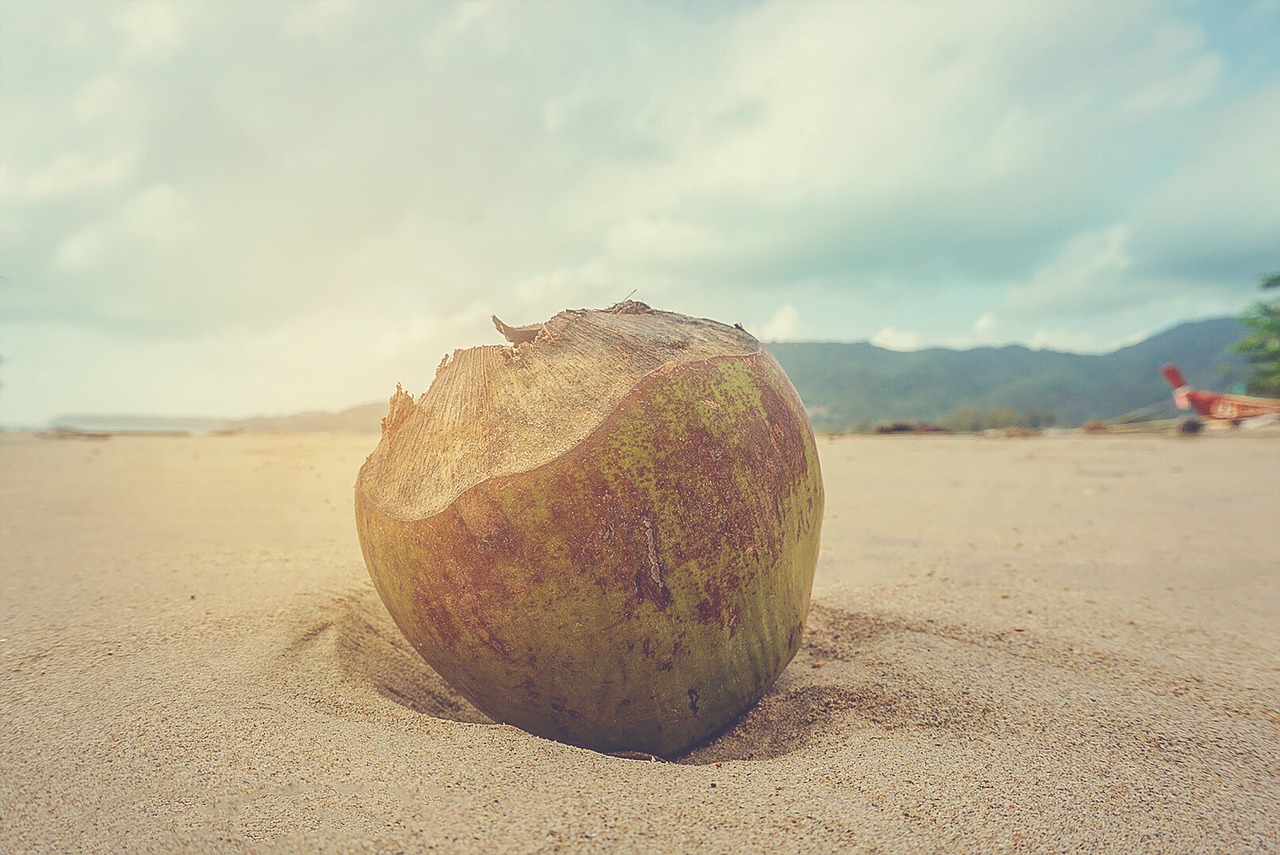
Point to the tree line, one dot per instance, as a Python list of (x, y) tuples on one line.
[(1261, 345)]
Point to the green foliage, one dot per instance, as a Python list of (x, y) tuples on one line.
[(1261, 346)]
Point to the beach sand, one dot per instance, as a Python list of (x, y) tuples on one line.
[(1035, 644)]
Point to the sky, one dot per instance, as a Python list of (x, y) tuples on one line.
[(257, 208)]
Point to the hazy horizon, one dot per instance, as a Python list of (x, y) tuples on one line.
[(121, 420)]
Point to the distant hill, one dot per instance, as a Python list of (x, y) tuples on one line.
[(846, 385), (366, 418), (850, 385), (135, 424)]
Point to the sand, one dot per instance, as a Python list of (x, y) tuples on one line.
[(1037, 644)]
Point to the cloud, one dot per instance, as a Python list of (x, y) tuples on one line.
[(152, 221), (480, 18), (934, 128), (1205, 233), (100, 98), (984, 325), (896, 339), (783, 325), (1087, 274), (1218, 212), (318, 19), (174, 174), (1063, 339), (67, 173), (152, 30)]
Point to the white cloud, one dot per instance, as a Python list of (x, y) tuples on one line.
[(66, 174), (565, 285), (893, 338), (319, 19), (1086, 274), (482, 18), (1192, 72), (1194, 83), (1224, 199), (1126, 341), (101, 97), (152, 29), (864, 134), (783, 325), (156, 218), (1071, 340), (660, 241)]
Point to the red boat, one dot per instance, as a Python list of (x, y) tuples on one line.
[(1212, 405)]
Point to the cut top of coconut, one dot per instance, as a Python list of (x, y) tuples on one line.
[(500, 410)]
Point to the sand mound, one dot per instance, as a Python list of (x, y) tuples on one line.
[(353, 632)]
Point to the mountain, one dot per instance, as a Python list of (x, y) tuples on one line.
[(366, 418), (851, 385), (846, 385)]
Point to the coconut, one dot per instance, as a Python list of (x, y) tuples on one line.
[(605, 532)]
